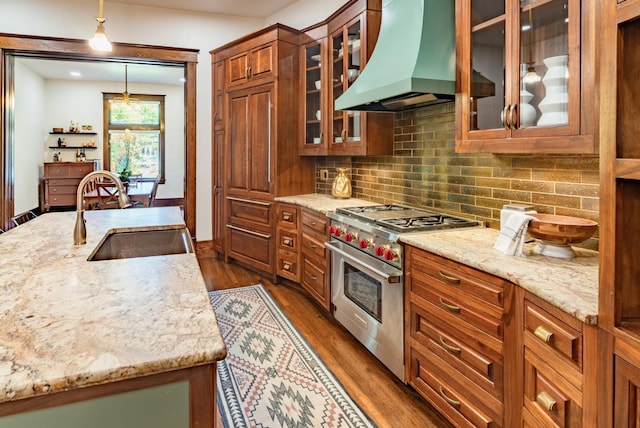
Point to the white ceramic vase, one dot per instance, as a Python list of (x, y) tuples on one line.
[(528, 112), (554, 105)]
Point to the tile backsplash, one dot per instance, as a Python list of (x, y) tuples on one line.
[(425, 171)]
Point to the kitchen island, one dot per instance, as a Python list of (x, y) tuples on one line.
[(74, 330)]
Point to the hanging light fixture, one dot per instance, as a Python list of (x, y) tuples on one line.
[(125, 98), (99, 41), (531, 76)]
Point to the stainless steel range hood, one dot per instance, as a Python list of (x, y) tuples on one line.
[(413, 62)]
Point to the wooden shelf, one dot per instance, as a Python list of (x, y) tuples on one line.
[(73, 147), (73, 133), (627, 168)]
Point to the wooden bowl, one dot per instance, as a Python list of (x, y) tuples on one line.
[(561, 229)]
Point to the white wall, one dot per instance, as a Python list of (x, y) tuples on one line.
[(164, 27), (29, 120), (81, 102)]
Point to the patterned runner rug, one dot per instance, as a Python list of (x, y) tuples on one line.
[(271, 376)]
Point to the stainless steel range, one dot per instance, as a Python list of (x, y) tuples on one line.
[(367, 276)]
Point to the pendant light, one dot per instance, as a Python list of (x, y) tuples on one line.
[(531, 76), (126, 98), (99, 41)]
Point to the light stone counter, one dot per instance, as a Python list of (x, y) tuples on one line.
[(68, 323), (571, 285), (324, 203)]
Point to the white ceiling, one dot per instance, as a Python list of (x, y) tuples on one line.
[(248, 8)]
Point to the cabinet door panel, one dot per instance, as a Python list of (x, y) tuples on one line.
[(239, 142), (261, 61), (261, 138), (627, 395), (237, 69)]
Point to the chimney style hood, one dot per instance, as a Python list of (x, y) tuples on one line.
[(413, 62)]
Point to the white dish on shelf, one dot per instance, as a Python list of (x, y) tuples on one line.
[(318, 83), (316, 140), (316, 57)]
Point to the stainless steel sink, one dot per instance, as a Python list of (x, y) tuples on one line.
[(142, 243)]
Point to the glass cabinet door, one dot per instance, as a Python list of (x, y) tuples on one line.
[(313, 104), (347, 63)]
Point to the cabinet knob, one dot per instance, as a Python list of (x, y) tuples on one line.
[(505, 118), (546, 401), (513, 118), (543, 334), (286, 267), (286, 217)]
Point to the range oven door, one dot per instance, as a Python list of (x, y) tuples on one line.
[(367, 299)]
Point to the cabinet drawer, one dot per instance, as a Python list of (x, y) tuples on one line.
[(313, 276), (62, 190), (313, 247), (460, 280), (56, 170), (61, 200), (463, 407), (555, 334), (457, 308), (287, 265), (246, 211), (80, 169), (479, 363), (315, 224), (548, 396), (287, 216), (64, 182), (251, 247), (287, 240)]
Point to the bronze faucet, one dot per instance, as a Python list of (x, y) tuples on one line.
[(80, 230)]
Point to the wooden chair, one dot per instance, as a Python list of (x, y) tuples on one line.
[(23, 218), (101, 195), (154, 190)]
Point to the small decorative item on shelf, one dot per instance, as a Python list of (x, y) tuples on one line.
[(527, 111), (59, 142), (554, 104), (341, 188), (58, 130)]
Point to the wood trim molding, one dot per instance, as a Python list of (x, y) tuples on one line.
[(74, 49)]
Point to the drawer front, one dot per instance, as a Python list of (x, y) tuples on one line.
[(245, 211), (457, 279), (64, 182), (56, 170), (456, 308), (311, 246), (462, 407), (314, 278), (287, 216), (555, 334), (287, 240), (287, 265), (81, 169), (315, 224), (62, 190), (481, 364), (61, 200), (548, 397), (251, 247)]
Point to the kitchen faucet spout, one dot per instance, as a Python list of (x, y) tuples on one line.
[(80, 230)]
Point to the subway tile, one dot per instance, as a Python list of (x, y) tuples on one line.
[(589, 190), (555, 200), (562, 175)]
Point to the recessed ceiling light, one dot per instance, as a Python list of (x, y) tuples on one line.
[(75, 74)]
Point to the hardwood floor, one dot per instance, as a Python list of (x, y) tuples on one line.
[(377, 391)]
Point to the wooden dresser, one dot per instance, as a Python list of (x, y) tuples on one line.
[(60, 183)]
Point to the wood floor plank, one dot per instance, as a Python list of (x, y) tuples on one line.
[(387, 401)]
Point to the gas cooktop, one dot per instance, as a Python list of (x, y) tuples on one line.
[(401, 218)]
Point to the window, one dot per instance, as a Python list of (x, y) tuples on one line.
[(134, 133)]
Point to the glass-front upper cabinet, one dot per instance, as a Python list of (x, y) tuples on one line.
[(314, 138), (347, 62), (523, 72)]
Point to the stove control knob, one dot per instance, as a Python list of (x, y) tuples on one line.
[(364, 243), (350, 236), (379, 250), (390, 254), (332, 228), (335, 231)]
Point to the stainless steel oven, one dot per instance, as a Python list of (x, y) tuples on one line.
[(367, 300), (366, 272)]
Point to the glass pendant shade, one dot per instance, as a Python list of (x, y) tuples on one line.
[(99, 41)]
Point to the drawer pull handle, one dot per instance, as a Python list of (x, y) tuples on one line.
[(286, 267), (450, 279), (546, 401), (452, 308), (312, 245), (313, 223), (288, 242), (286, 217), (452, 349), (454, 403), (543, 334), (312, 277)]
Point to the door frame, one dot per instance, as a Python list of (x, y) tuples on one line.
[(54, 48)]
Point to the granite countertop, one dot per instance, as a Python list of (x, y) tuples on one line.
[(571, 285), (68, 323), (324, 203)]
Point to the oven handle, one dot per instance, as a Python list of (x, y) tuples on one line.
[(394, 278)]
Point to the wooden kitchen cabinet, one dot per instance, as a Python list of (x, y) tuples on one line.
[(497, 44), (332, 54), (315, 272), (61, 181), (217, 166), (258, 140), (288, 238), (456, 327), (619, 299)]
